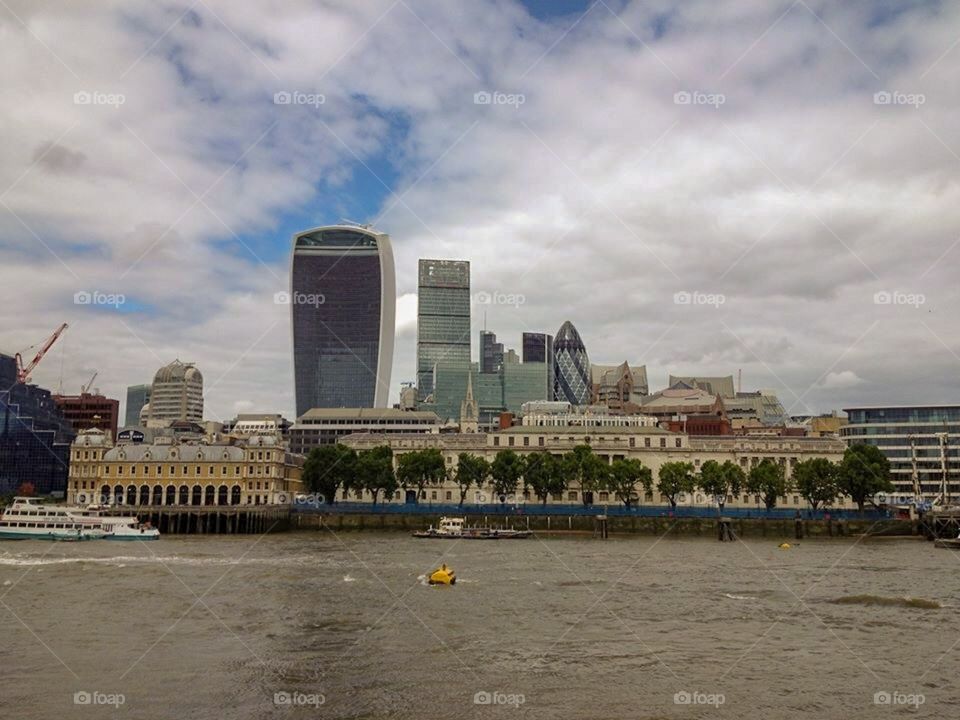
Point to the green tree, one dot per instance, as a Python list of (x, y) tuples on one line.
[(543, 473), (767, 480), (674, 479), (375, 472), (624, 476), (419, 468), (586, 468), (328, 468), (721, 480), (471, 470), (864, 472), (817, 480), (506, 471)]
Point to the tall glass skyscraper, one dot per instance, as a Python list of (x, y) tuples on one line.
[(538, 348), (343, 309), (491, 352), (571, 367), (443, 318)]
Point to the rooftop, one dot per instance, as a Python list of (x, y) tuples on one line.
[(367, 414)]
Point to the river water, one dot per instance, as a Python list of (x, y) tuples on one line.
[(343, 626)]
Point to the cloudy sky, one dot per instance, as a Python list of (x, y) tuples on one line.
[(698, 186)]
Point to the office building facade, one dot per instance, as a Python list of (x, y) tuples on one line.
[(35, 437), (343, 313), (176, 395), (571, 367), (324, 426), (137, 397), (443, 318), (920, 438), (90, 410), (491, 352)]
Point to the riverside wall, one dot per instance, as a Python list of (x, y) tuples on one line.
[(588, 525)]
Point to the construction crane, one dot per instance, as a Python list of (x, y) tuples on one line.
[(23, 371), (86, 388)]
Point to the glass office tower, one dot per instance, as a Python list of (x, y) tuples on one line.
[(571, 369), (538, 348), (443, 318), (924, 439), (343, 309)]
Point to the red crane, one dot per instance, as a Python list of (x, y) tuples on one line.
[(23, 371)]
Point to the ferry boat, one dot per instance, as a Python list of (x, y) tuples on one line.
[(453, 527), (28, 519)]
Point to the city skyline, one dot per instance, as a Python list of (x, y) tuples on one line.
[(693, 215)]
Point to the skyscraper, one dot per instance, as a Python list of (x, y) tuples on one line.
[(538, 348), (571, 367), (443, 318), (137, 397), (491, 352), (176, 394), (343, 309)]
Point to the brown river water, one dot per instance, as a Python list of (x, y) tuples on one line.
[(344, 626)]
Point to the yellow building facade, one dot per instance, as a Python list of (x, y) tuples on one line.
[(254, 471)]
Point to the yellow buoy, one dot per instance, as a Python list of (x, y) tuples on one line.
[(443, 576), (784, 546)]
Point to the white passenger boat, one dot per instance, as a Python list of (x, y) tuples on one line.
[(27, 519)]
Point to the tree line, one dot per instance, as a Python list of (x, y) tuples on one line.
[(862, 473)]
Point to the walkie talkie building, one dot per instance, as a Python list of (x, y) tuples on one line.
[(343, 310)]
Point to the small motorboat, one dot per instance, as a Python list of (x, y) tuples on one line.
[(443, 576)]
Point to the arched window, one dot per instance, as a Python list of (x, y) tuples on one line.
[(158, 495), (171, 495), (184, 495), (131, 494), (197, 495), (118, 494), (235, 495), (144, 495), (222, 495), (209, 494)]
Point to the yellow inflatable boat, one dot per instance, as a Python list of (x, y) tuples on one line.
[(443, 576)]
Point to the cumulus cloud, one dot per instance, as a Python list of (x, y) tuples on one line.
[(145, 155)]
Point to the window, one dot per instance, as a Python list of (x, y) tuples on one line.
[(526, 441), (572, 495), (678, 442), (633, 442), (557, 496), (540, 441), (663, 442), (510, 441), (496, 441), (646, 442), (796, 500), (449, 495), (433, 494), (604, 496)]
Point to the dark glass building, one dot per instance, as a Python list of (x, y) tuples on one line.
[(34, 435), (137, 397), (571, 367), (443, 318), (343, 308), (538, 348), (491, 352)]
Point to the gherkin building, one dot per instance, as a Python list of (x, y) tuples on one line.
[(571, 367)]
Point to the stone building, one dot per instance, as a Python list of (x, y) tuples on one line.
[(653, 446), (258, 470)]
